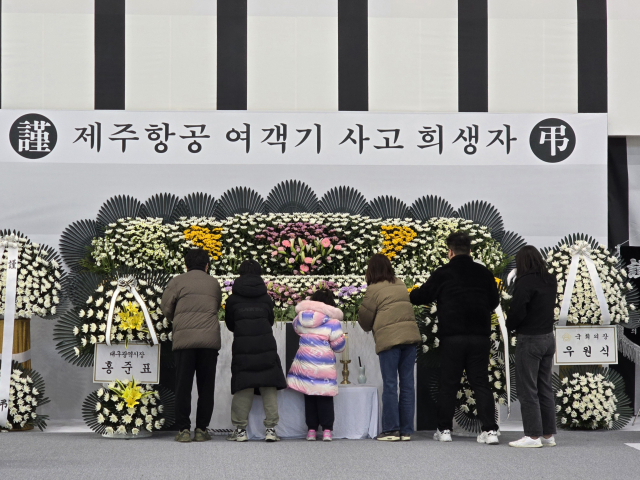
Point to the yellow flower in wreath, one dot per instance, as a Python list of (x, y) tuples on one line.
[(130, 393), (394, 239), (208, 240), (131, 318)]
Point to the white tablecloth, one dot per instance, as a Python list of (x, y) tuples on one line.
[(356, 409)]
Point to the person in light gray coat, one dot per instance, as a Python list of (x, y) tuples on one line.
[(191, 302)]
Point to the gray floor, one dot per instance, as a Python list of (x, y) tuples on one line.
[(583, 455)]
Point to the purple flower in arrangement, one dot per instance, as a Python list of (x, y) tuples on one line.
[(345, 293), (282, 294)]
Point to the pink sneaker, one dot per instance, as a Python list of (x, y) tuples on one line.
[(311, 436), (326, 436)]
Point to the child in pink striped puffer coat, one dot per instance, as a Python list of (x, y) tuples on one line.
[(313, 371)]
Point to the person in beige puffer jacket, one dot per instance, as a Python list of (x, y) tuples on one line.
[(191, 302), (387, 311)]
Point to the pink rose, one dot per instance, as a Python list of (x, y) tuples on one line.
[(286, 243), (291, 260), (274, 253), (338, 247), (328, 259), (326, 243), (308, 260), (281, 249), (304, 268)]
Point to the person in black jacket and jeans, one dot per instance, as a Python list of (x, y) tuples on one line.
[(531, 315), (255, 364), (466, 294)]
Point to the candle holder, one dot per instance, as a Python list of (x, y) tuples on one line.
[(345, 372)]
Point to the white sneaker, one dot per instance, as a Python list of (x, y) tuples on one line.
[(444, 436), (526, 442), (548, 442), (489, 438)]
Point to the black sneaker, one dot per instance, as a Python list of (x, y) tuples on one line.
[(405, 437), (393, 436)]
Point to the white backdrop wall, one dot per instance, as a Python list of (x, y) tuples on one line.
[(48, 62), (47, 56), (540, 201)]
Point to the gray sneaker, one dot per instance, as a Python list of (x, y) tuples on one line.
[(270, 435), (489, 438), (201, 436), (442, 436), (548, 442), (238, 435), (184, 436)]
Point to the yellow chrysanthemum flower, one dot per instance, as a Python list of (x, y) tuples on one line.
[(395, 238), (208, 240)]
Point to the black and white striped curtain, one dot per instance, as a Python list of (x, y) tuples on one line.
[(330, 55)]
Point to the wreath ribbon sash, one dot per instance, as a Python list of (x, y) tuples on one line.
[(11, 245), (507, 367), (129, 284), (583, 250)]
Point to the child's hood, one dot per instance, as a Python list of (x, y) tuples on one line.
[(320, 313)]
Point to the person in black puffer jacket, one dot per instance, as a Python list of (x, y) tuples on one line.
[(466, 294), (255, 364)]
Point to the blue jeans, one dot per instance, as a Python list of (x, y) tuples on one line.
[(397, 362)]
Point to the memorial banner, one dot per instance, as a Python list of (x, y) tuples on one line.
[(526, 165), (362, 138)]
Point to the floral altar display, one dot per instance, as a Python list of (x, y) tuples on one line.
[(26, 395), (584, 307), (39, 281), (31, 281), (85, 325), (593, 289), (591, 397), (303, 243), (130, 410)]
